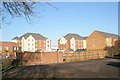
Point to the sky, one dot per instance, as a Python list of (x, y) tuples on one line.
[(68, 17)]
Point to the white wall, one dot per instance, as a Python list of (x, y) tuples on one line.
[(84, 44), (23, 44), (31, 41), (72, 44), (48, 45), (14, 41), (63, 40)]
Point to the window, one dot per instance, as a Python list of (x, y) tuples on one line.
[(28, 44), (47, 45), (32, 44), (14, 48), (107, 39), (47, 41), (6, 48), (7, 55), (94, 40), (17, 48), (72, 44), (28, 40), (28, 48), (94, 45)]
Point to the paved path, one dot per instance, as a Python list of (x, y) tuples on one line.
[(104, 68)]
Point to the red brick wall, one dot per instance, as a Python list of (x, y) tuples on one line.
[(31, 58), (62, 46), (83, 56), (41, 44), (19, 43), (95, 41)]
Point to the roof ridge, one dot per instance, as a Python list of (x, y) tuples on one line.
[(105, 32)]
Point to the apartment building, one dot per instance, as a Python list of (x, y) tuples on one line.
[(71, 42), (9, 49), (98, 40), (33, 42)]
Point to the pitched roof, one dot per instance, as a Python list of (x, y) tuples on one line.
[(108, 35), (70, 35), (35, 35), (15, 38), (84, 38), (8, 44)]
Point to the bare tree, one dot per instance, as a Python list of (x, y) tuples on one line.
[(18, 9)]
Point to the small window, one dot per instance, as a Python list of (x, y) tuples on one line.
[(28, 40), (28, 44), (14, 48), (94, 45), (28, 48), (94, 40), (6, 48), (7, 54), (17, 48), (72, 44), (47, 45), (47, 41), (32, 44)]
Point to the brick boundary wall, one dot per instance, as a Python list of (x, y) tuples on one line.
[(83, 56), (36, 58)]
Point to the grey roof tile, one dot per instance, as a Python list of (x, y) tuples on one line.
[(15, 38), (35, 35), (70, 35)]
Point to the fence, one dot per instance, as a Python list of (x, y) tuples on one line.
[(36, 58), (83, 56)]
